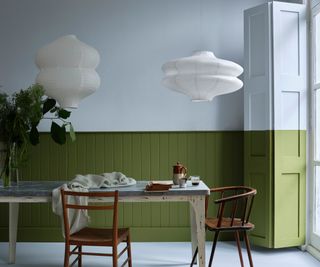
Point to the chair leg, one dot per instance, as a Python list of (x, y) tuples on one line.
[(194, 257), (66, 255), (80, 256), (236, 234), (248, 248), (213, 247), (115, 256), (129, 251)]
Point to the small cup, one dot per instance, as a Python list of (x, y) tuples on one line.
[(195, 180), (177, 177), (182, 182)]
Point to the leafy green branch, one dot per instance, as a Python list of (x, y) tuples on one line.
[(58, 131), (21, 113)]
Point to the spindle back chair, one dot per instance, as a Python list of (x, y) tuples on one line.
[(94, 236), (233, 213)]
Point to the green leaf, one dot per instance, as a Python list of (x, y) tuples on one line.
[(48, 104), (58, 133), (34, 136), (64, 114), (72, 133)]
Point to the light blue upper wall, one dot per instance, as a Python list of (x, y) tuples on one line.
[(134, 38)]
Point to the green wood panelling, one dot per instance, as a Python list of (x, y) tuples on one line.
[(275, 164), (216, 156)]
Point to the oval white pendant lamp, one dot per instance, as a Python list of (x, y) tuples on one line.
[(67, 70), (202, 76)]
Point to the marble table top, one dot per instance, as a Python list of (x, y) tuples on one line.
[(44, 189)]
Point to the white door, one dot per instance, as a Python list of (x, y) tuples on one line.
[(315, 155)]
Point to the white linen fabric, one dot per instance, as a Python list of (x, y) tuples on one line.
[(79, 219), (113, 179)]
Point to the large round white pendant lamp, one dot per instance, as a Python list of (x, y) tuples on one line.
[(202, 76), (67, 70)]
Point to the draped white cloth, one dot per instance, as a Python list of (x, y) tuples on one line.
[(79, 219)]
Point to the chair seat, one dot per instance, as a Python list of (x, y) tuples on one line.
[(97, 236), (212, 223)]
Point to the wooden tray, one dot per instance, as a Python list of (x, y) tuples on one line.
[(158, 186)]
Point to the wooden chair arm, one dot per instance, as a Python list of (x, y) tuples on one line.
[(250, 191), (228, 188), (230, 198)]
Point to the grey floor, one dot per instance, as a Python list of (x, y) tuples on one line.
[(159, 254)]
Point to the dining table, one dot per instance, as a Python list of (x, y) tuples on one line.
[(41, 192)]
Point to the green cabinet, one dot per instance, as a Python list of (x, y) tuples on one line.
[(275, 96)]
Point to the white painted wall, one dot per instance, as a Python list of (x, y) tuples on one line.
[(134, 38)]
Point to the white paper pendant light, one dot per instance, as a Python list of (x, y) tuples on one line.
[(202, 76), (67, 70)]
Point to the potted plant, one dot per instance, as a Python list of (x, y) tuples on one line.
[(20, 115)]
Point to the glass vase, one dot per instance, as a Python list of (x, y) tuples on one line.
[(10, 170), (3, 157)]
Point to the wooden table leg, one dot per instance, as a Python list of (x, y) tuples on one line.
[(193, 227), (13, 226), (197, 215)]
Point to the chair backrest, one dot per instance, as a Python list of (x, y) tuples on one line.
[(235, 203), (67, 205)]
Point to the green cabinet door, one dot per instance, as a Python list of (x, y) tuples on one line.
[(258, 173), (289, 188), (275, 164)]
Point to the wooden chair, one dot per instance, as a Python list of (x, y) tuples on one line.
[(234, 208), (94, 236)]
